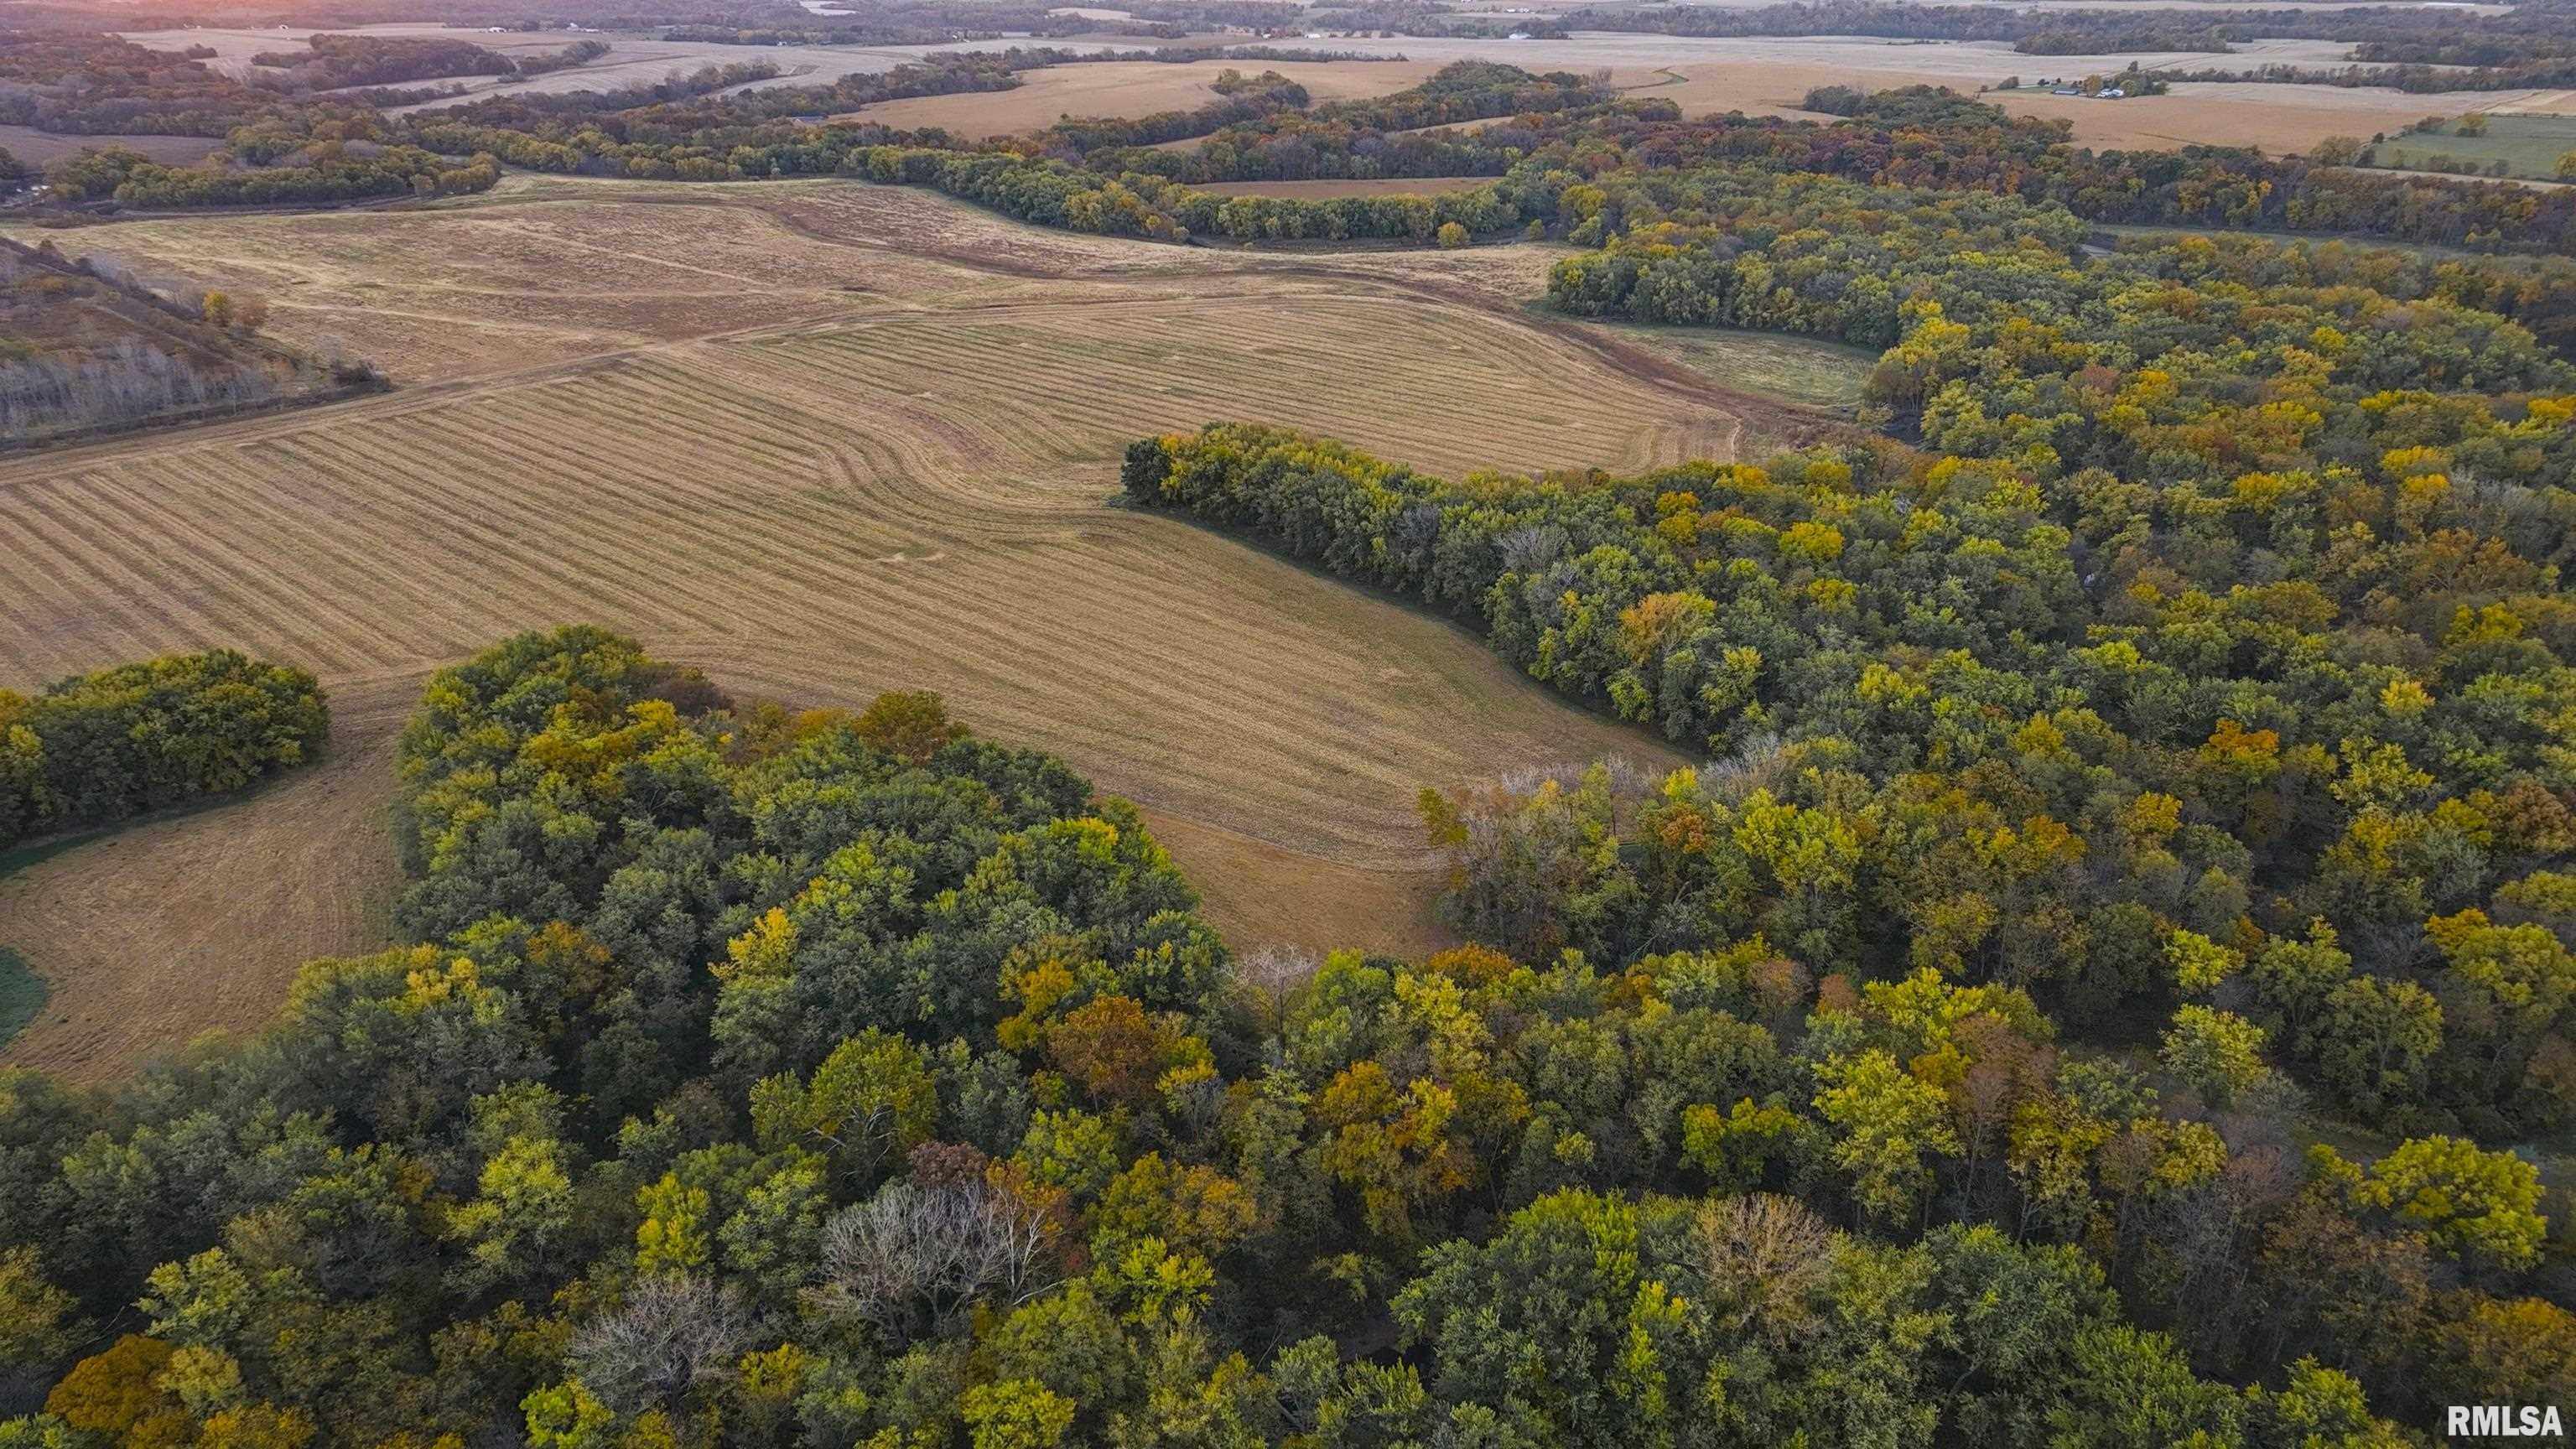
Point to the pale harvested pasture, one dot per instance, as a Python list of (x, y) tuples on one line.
[(2540, 103), (909, 486), (548, 270), (162, 931), (1127, 89), (42, 148), (2276, 118), (1769, 75)]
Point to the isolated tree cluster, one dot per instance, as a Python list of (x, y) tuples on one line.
[(102, 747)]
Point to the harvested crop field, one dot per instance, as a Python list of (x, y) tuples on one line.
[(1770, 75), (1324, 190), (2277, 117), (912, 487), (41, 148), (546, 270), (2538, 103), (505, 287), (2274, 117), (1126, 89), (1808, 371), (1714, 88), (2524, 146), (155, 934), (1828, 59)]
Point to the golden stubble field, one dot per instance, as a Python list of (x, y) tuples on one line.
[(2277, 118), (1126, 89), (824, 440)]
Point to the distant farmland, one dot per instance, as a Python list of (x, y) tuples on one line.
[(2528, 146), (1129, 89), (43, 148)]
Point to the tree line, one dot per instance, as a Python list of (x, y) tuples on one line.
[(756, 134), (2422, 79), (1390, 136), (324, 171)]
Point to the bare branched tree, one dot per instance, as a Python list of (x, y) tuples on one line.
[(913, 1260), (1275, 969), (1765, 1256), (122, 383), (1265, 976), (669, 1336), (1529, 549), (1756, 764)]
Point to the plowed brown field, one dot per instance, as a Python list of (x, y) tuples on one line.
[(899, 472)]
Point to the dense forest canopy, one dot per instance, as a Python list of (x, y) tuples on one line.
[(2106, 982), (767, 1077)]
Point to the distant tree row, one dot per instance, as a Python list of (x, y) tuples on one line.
[(2527, 29), (1385, 137), (380, 60), (327, 173), (2478, 48), (1242, 98), (756, 134), (1055, 194), (2538, 74), (92, 84), (524, 108), (577, 54)]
